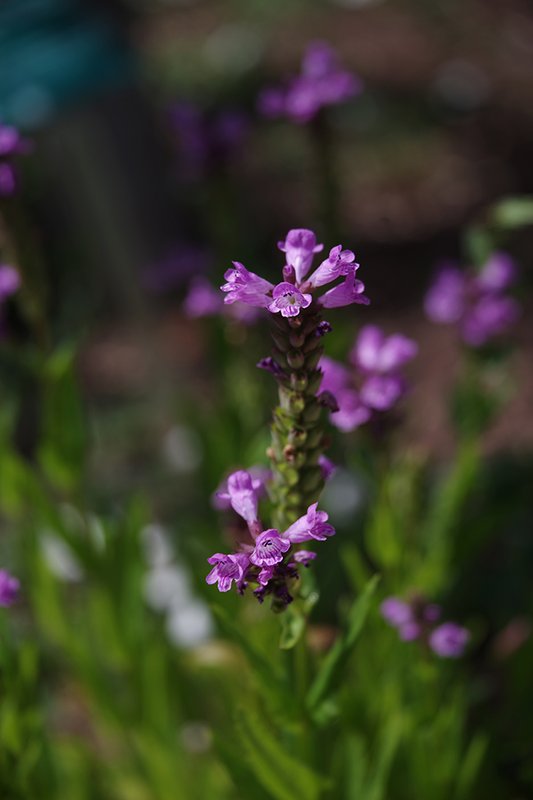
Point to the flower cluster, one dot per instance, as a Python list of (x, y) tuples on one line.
[(374, 383), (416, 621), (269, 560), (9, 588), (11, 146), (322, 82), (475, 301), (295, 291)]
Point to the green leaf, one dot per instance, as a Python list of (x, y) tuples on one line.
[(469, 767), (281, 774), (340, 651), (387, 747), (513, 212), (62, 451)]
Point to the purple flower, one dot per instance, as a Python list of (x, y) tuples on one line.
[(288, 300), (246, 286), (489, 317), (313, 525), (381, 392), (269, 548), (9, 281), (345, 293), (304, 557), (445, 300), (339, 263), (227, 568), (322, 82), (299, 247), (498, 273), (9, 588), (352, 411), (335, 376), (271, 365), (327, 467), (376, 353), (396, 612), (409, 632), (243, 493), (202, 299), (449, 640)]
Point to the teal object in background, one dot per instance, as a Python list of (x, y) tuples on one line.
[(55, 54)]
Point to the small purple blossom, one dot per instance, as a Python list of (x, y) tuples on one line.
[(376, 353), (415, 620), (304, 557), (381, 392), (299, 247), (323, 328), (345, 293), (475, 301), (227, 569), (449, 640), (339, 263), (312, 525), (9, 588), (269, 548), (327, 467), (288, 300), (202, 299), (243, 492), (396, 612), (246, 286), (9, 281), (322, 82), (271, 365)]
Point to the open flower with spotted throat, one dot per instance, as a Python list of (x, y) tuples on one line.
[(296, 292)]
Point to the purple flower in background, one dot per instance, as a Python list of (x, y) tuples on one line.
[(299, 247), (374, 384), (246, 286), (321, 82), (445, 301), (9, 588), (202, 299), (313, 525), (9, 281), (475, 301), (489, 317), (498, 273), (381, 392), (243, 492), (327, 467), (288, 300), (415, 620), (449, 640), (396, 612), (269, 548), (11, 145), (352, 411), (227, 569), (374, 352)]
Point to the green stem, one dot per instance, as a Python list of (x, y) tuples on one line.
[(297, 434)]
